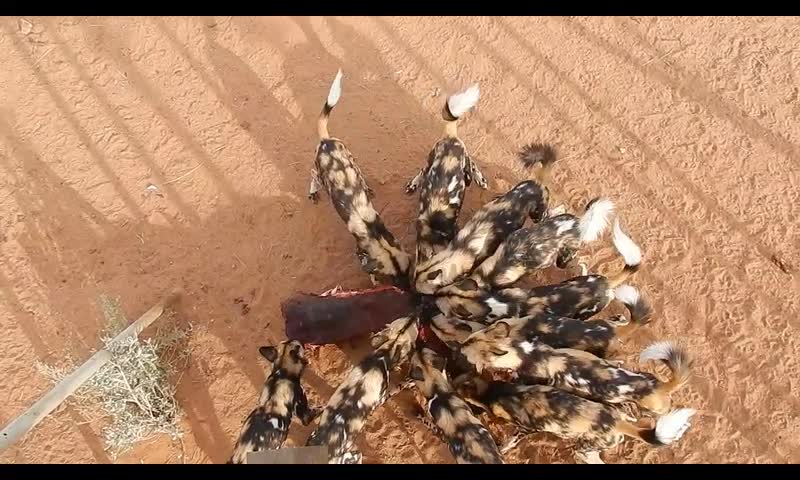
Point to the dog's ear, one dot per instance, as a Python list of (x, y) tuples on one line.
[(463, 326), (268, 352), (468, 285), (377, 340), (501, 329), (438, 362), (434, 274), (415, 372)]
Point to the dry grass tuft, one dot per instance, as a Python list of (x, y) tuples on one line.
[(133, 391)]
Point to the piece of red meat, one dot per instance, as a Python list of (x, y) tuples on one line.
[(337, 317)]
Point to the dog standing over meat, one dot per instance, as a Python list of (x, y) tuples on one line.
[(364, 389), (452, 419), (267, 426), (443, 181), (335, 169), (579, 297), (490, 225), (594, 426)]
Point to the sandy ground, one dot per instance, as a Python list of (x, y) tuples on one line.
[(689, 124)]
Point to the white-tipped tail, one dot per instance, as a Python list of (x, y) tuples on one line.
[(627, 294), (461, 103), (336, 90), (625, 246), (595, 221), (673, 425), (657, 351)]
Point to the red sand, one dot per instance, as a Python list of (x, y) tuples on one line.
[(689, 124)]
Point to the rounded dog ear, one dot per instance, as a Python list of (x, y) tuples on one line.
[(434, 274), (416, 373), (270, 353), (438, 362), (468, 284), (377, 340), (501, 329)]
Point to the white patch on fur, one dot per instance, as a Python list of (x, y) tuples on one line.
[(526, 347), (339, 419), (336, 90), (625, 246), (497, 308), (453, 184), (559, 210), (623, 389), (673, 425), (274, 422), (595, 221), (562, 225), (657, 351), (627, 294), (461, 103)]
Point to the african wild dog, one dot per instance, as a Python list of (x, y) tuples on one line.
[(490, 225), (380, 255), (451, 418), (579, 297), (267, 427), (443, 181), (364, 389), (580, 372), (594, 426)]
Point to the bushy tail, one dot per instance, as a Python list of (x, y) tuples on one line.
[(596, 218), (457, 106), (669, 428), (676, 359), (638, 308), (630, 253), (541, 154), (333, 98)]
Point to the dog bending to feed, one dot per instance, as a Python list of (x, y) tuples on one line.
[(594, 336), (335, 170), (579, 297), (443, 181), (554, 240), (583, 373), (451, 417), (594, 426), (267, 426), (490, 225), (364, 389)]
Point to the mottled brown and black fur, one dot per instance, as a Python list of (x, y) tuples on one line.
[(533, 248), (580, 372), (267, 426), (364, 389), (452, 419), (579, 297), (594, 336), (443, 181), (379, 253), (594, 426), (485, 231)]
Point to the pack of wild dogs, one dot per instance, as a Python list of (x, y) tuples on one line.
[(535, 358)]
